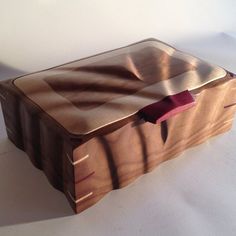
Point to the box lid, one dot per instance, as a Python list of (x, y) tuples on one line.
[(86, 95)]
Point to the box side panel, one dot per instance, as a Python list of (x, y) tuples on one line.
[(116, 159), (29, 129)]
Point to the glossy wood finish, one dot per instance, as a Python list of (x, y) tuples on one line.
[(87, 167), (116, 159), (88, 94)]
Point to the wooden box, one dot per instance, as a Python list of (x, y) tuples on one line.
[(98, 123)]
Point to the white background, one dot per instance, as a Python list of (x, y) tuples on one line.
[(191, 195)]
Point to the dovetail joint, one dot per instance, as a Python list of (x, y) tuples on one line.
[(4, 98), (78, 161), (9, 130), (79, 199)]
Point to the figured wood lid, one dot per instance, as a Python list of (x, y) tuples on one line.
[(91, 93)]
